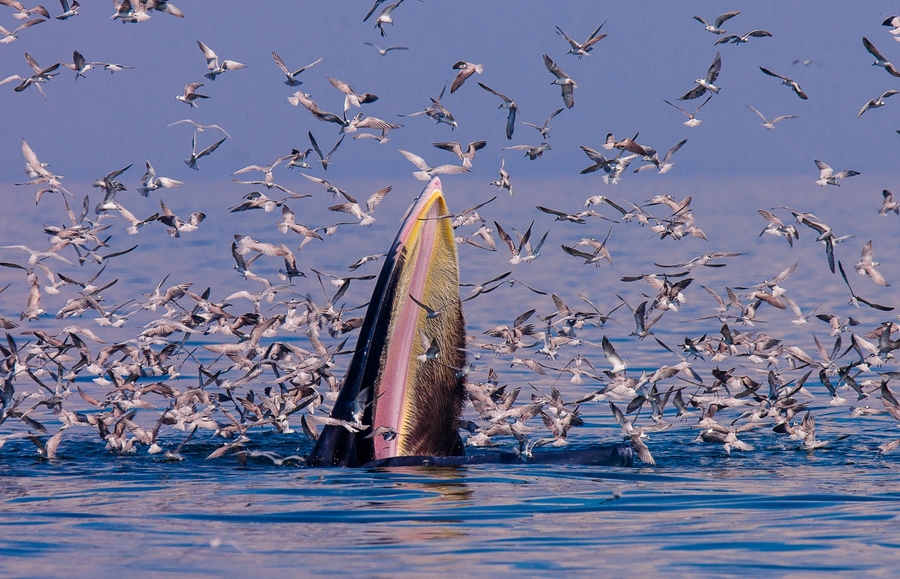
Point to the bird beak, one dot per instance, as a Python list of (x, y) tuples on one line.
[(420, 401)]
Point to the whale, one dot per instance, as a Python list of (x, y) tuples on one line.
[(403, 394)]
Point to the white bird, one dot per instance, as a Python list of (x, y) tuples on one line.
[(176, 225), (212, 63), (866, 266), (11, 36), (68, 10), (706, 83), (767, 123), (150, 182), (691, 122), (877, 102), (464, 156), (426, 172), (880, 60), (384, 17), (788, 82), (384, 51), (715, 27), (738, 39), (466, 69), (200, 128), (510, 105), (583, 48), (352, 206), (503, 182), (827, 176), (191, 94), (565, 82), (195, 156), (291, 76), (664, 166), (21, 12)]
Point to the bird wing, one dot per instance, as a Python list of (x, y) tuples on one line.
[(212, 60), (416, 160), (713, 73)]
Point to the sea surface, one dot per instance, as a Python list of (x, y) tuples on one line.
[(777, 510)]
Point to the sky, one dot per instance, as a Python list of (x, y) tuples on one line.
[(653, 51)]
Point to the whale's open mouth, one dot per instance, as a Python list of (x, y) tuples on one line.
[(403, 390)]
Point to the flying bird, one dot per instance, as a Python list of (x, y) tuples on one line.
[(880, 60), (716, 26), (706, 83), (212, 63), (195, 156), (425, 172), (464, 156), (466, 69), (508, 104), (565, 82), (738, 39), (786, 81), (827, 176), (692, 121), (877, 102), (291, 76), (582, 48), (191, 94), (384, 51), (767, 123)]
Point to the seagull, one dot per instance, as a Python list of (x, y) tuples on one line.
[(891, 21), (289, 221), (503, 182), (301, 98), (876, 103), (212, 63), (583, 48), (516, 251), (691, 122), (888, 204), (21, 12), (544, 129), (706, 83), (329, 188), (566, 83), (737, 39), (195, 156), (384, 51), (191, 94), (664, 166), (12, 36), (786, 81), (351, 98), (353, 208), (466, 69), (880, 60), (508, 104), (68, 11), (135, 222), (827, 176), (385, 17), (865, 266), (79, 66), (326, 159), (464, 156), (150, 182), (291, 76), (767, 123), (531, 151), (200, 128), (437, 111), (715, 28), (806, 62), (40, 76), (425, 172)]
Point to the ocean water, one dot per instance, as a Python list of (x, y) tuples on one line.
[(777, 509)]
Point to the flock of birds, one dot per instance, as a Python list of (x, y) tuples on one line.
[(228, 365)]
